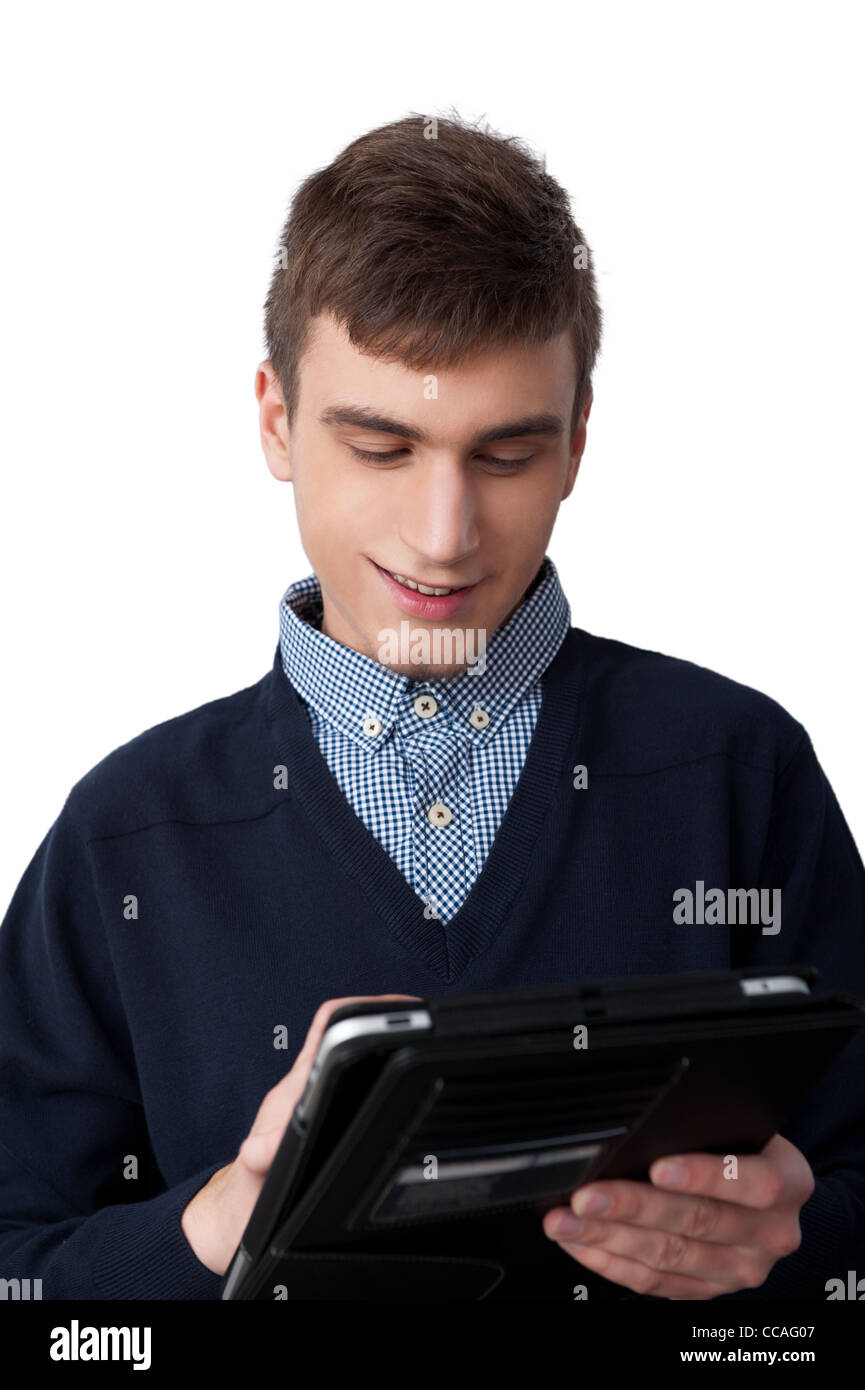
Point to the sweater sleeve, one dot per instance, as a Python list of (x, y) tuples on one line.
[(83, 1207), (811, 856)]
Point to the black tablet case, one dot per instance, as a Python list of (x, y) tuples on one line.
[(680, 1063)]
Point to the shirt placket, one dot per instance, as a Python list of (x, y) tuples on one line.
[(444, 851)]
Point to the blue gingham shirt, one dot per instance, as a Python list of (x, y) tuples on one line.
[(428, 775)]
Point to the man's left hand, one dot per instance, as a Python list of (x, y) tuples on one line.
[(697, 1238)]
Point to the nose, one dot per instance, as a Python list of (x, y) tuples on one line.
[(439, 514)]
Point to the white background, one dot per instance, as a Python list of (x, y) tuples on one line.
[(713, 154)]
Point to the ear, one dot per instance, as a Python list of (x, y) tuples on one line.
[(273, 422), (577, 447)]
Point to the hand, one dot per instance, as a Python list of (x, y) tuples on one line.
[(705, 1236), (215, 1219)]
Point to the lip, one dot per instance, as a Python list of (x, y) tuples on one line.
[(419, 605)]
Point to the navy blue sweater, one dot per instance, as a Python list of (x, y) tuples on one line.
[(189, 903)]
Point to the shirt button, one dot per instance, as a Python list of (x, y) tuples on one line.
[(479, 717), (425, 706), (438, 814), (372, 726)]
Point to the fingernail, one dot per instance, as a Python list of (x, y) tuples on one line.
[(672, 1175), (589, 1204), (566, 1226)]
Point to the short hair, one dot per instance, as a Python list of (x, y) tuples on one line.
[(430, 239)]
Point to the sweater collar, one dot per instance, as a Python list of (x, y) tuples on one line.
[(346, 688)]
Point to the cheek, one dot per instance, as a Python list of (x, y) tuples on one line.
[(330, 507), (523, 513), (338, 538)]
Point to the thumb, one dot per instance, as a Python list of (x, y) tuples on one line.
[(257, 1151)]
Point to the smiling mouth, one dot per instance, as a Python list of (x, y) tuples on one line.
[(433, 590)]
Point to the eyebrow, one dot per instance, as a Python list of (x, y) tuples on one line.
[(368, 419)]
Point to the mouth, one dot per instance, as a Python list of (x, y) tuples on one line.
[(431, 589), (420, 599)]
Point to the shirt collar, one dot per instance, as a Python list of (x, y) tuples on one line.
[(347, 688)]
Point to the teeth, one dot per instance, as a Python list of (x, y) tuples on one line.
[(421, 588)]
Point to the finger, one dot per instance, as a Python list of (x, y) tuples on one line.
[(287, 1086), (257, 1151), (324, 1011), (726, 1266), (694, 1216), (780, 1174), (639, 1277), (282, 1098)]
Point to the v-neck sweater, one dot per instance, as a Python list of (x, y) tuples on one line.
[(207, 886), (428, 765)]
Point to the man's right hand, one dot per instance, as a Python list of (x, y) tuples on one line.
[(215, 1219)]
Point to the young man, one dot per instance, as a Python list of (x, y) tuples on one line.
[(375, 818)]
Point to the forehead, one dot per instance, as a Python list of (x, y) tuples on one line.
[(539, 375)]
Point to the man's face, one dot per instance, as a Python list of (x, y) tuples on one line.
[(451, 479)]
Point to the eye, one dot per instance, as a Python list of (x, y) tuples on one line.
[(369, 456), (508, 463)]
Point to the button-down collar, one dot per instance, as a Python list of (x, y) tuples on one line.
[(365, 700)]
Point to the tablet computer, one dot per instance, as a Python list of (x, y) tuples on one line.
[(444, 1109)]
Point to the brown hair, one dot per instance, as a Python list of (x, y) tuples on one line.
[(429, 249)]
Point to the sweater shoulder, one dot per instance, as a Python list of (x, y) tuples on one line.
[(645, 710), (205, 765)]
